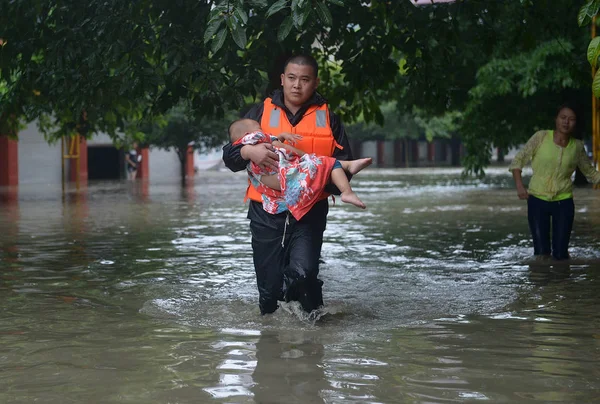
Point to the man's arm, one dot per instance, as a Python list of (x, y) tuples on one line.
[(232, 157), (341, 153), (288, 147)]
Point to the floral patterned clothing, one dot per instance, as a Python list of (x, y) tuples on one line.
[(302, 178)]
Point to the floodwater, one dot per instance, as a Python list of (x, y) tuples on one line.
[(137, 293)]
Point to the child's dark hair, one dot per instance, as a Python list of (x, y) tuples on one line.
[(237, 122), (231, 126)]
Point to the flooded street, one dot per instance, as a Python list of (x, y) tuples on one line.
[(133, 293)]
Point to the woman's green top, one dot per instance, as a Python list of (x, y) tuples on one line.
[(553, 166)]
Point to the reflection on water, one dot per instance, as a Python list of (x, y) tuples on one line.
[(145, 293)]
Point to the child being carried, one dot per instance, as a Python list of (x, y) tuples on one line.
[(301, 177)]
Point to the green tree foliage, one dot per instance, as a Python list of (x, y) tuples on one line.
[(502, 65), (505, 66), (120, 61), (398, 124), (587, 13)]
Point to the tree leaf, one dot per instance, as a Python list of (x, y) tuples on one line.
[(324, 13), (300, 14), (304, 16), (285, 28), (297, 18), (596, 85), (211, 29), (241, 15), (219, 40), (337, 2), (587, 12), (259, 3), (593, 51), (217, 12), (239, 36), (276, 7)]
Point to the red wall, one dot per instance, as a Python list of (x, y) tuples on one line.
[(9, 162)]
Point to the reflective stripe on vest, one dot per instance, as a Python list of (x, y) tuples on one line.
[(274, 118), (321, 118)]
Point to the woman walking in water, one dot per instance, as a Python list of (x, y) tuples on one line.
[(554, 156)]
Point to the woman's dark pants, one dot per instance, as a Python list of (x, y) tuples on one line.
[(539, 213)]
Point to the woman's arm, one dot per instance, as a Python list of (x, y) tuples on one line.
[(521, 190), (586, 166), (521, 159), (525, 155)]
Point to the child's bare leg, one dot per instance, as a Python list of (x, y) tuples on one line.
[(354, 166), (271, 181), (338, 177)]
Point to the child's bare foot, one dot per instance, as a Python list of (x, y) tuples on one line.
[(351, 197), (354, 166)]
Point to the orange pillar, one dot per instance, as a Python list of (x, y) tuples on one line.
[(143, 171), (189, 163), (83, 163), (9, 161)]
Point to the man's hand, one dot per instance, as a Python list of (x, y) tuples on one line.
[(291, 138), (522, 192), (261, 154)]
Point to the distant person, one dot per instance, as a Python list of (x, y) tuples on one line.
[(300, 178), (554, 155), (132, 159)]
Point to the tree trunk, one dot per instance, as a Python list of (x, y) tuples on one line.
[(455, 152), (182, 154), (500, 155)]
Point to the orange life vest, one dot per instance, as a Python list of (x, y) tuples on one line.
[(314, 127)]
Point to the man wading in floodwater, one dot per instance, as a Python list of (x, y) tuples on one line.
[(285, 251)]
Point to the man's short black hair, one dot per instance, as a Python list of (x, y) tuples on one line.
[(303, 60)]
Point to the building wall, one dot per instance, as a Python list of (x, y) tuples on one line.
[(368, 149), (100, 139), (39, 162), (418, 153), (163, 165), (422, 148), (388, 154)]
